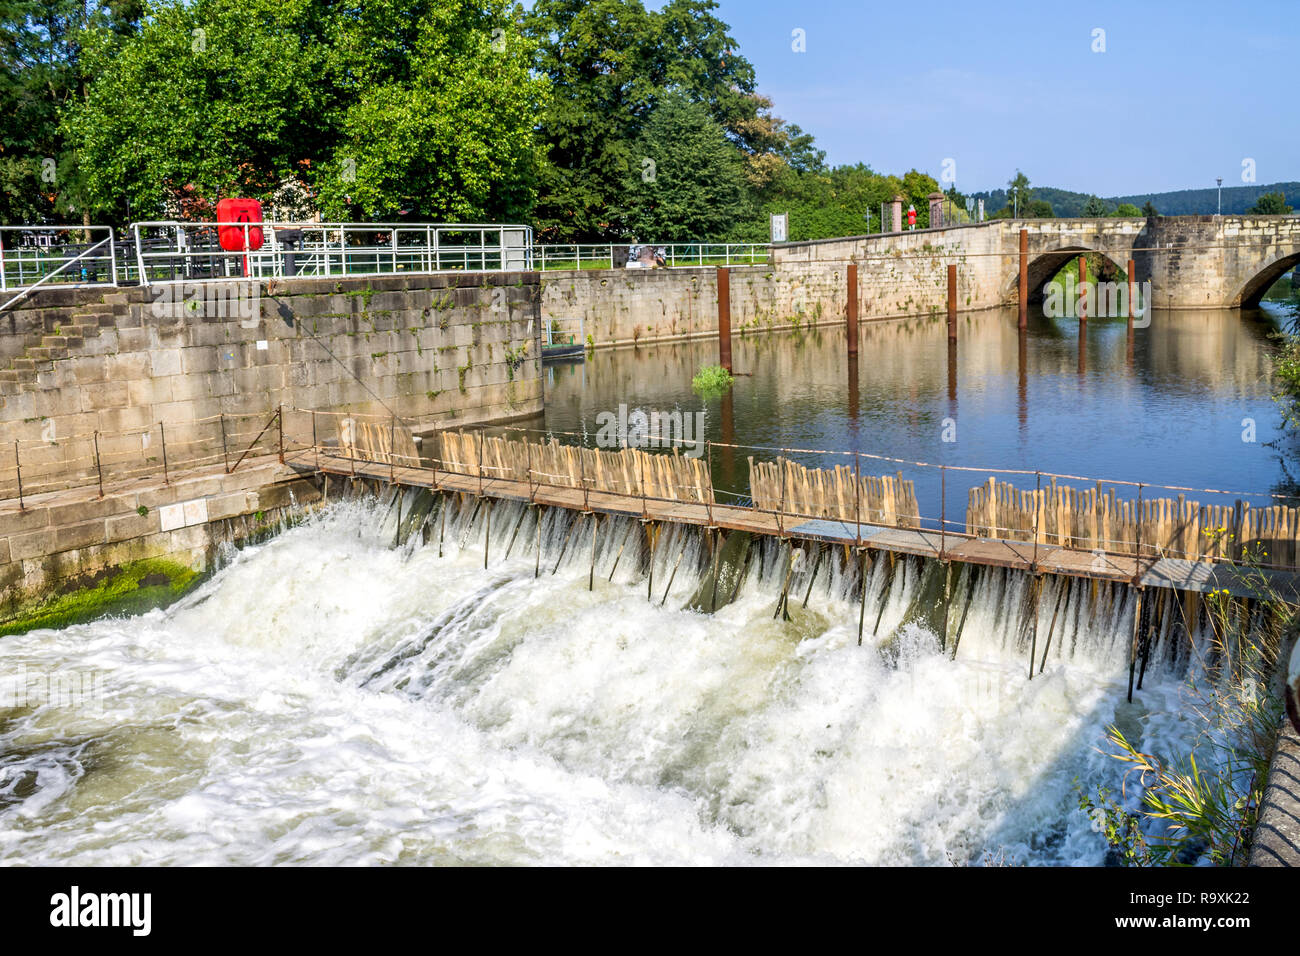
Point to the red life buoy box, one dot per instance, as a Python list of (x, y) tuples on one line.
[(231, 236)]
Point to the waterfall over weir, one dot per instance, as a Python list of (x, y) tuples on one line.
[(989, 610), (361, 689)]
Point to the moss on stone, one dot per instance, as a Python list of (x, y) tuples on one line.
[(130, 589)]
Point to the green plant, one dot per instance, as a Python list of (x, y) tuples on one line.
[(142, 511), (514, 359), (1206, 805), (712, 380)]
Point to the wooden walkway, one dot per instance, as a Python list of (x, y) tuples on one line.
[(1147, 571)]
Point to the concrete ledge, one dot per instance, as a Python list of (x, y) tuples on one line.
[(1277, 835)]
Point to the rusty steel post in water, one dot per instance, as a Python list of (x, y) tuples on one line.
[(1083, 291), (724, 318), (1023, 321), (952, 303), (851, 323), (1132, 287)]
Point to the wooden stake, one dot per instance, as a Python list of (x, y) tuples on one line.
[(785, 587), (884, 594), (717, 547), (672, 576), (1132, 655), (618, 557), (537, 564), (947, 583), (564, 547), (862, 607), (1065, 583), (510, 546), (813, 576), (1035, 592)]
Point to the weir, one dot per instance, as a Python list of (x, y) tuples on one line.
[(968, 611)]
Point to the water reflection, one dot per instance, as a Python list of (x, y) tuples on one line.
[(1165, 405)]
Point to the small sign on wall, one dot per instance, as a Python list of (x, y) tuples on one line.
[(780, 226)]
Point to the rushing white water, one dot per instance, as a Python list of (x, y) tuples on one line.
[(329, 698)]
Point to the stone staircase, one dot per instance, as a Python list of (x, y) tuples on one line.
[(53, 324)]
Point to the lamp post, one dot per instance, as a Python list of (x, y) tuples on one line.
[(1219, 180)]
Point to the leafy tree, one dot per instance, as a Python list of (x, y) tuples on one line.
[(210, 99), (610, 62), (440, 119), (43, 71), (397, 104), (1039, 209), (1126, 209), (1270, 204), (1018, 194), (1095, 207), (1149, 209), (695, 190)]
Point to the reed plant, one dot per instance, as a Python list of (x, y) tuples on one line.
[(1205, 805)]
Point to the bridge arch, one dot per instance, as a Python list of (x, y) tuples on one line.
[(1253, 289), (1044, 265)]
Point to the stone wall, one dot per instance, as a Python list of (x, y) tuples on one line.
[(639, 306), (61, 545), (435, 350)]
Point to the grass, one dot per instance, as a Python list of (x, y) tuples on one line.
[(712, 380)]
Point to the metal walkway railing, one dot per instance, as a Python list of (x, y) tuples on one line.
[(162, 252)]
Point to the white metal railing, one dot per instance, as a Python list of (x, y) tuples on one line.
[(83, 256), (629, 255), (172, 251), (191, 251), (32, 255)]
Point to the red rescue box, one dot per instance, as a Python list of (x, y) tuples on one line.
[(231, 236)]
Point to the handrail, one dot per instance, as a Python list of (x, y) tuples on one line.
[(50, 275)]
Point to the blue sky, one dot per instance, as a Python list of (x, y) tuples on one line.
[(1183, 92)]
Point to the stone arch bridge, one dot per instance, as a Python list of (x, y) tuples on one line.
[(1192, 262)]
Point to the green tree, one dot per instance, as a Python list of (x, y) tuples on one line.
[(694, 189), (1018, 195), (1126, 209), (1149, 209), (610, 62), (1094, 208), (1269, 204), (440, 117), (1039, 209), (209, 99), (42, 72), (391, 105)]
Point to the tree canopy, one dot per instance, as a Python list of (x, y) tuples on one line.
[(1270, 204), (592, 120), (424, 107)]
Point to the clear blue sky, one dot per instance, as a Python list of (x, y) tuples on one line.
[(1183, 93)]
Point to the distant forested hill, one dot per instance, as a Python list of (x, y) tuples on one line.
[(1185, 202)]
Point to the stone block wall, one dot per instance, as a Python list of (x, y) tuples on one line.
[(435, 350)]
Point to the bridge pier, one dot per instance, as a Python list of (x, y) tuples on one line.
[(1023, 321)]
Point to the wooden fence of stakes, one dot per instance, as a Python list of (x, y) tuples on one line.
[(629, 471), (1098, 519), (375, 441), (787, 486)]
